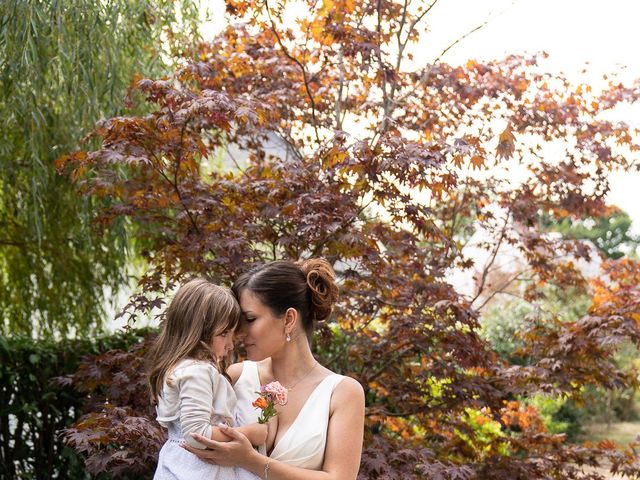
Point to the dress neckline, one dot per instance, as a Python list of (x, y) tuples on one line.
[(295, 420)]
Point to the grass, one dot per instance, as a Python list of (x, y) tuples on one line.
[(622, 433)]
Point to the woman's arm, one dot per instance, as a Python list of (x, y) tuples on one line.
[(346, 427)]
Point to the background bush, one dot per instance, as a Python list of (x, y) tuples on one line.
[(34, 407)]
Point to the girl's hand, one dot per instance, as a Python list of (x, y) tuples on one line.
[(234, 453), (219, 435), (255, 432)]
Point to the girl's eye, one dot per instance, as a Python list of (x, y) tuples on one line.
[(250, 319), (224, 334)]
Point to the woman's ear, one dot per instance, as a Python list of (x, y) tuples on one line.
[(290, 320)]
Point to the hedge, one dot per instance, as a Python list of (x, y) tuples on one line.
[(34, 407)]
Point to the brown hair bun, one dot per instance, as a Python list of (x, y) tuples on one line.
[(321, 280)]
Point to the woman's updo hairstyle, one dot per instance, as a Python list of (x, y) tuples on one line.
[(308, 286)]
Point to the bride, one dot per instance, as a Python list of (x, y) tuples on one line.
[(318, 433)]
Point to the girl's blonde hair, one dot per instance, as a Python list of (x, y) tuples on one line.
[(199, 311)]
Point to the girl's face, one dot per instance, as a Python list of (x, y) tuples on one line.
[(222, 344), (261, 331)]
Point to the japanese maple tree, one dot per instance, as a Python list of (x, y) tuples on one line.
[(337, 141)]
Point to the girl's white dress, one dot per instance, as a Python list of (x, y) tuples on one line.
[(194, 397), (303, 444)]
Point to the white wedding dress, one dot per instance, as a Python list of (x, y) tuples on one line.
[(303, 444)]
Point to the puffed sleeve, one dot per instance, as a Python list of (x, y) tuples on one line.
[(196, 387)]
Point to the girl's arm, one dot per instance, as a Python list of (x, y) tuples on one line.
[(346, 427), (255, 432), (196, 386)]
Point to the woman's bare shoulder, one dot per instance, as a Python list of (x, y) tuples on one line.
[(348, 390), (347, 400), (234, 371), (349, 386)]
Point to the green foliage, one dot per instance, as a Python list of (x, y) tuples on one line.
[(560, 415), (486, 434), (611, 234), (501, 324), (504, 322), (548, 407), (34, 408), (63, 66)]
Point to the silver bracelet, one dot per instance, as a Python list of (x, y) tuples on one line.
[(266, 468)]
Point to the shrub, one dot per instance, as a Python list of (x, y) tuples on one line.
[(34, 408)]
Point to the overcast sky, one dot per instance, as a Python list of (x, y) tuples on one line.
[(572, 32)]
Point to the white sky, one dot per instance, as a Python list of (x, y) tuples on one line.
[(572, 31), (605, 35)]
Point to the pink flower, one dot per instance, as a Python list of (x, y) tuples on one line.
[(276, 392), (269, 395)]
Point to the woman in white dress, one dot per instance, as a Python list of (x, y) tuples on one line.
[(318, 434)]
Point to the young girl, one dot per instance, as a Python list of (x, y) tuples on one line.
[(188, 383)]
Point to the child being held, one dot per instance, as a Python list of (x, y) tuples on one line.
[(188, 382)]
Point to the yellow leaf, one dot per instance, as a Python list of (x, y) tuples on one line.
[(477, 162), (506, 143)]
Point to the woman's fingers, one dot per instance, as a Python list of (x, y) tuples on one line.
[(224, 431), (226, 454), (210, 455), (210, 444), (231, 432)]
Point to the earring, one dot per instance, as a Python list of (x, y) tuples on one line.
[(288, 337)]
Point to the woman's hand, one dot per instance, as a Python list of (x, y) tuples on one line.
[(234, 453)]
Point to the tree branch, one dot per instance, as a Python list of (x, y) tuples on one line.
[(482, 25), (305, 79), (340, 87), (485, 271), (500, 289), (12, 243)]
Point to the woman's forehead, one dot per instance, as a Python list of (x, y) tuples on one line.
[(249, 301)]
